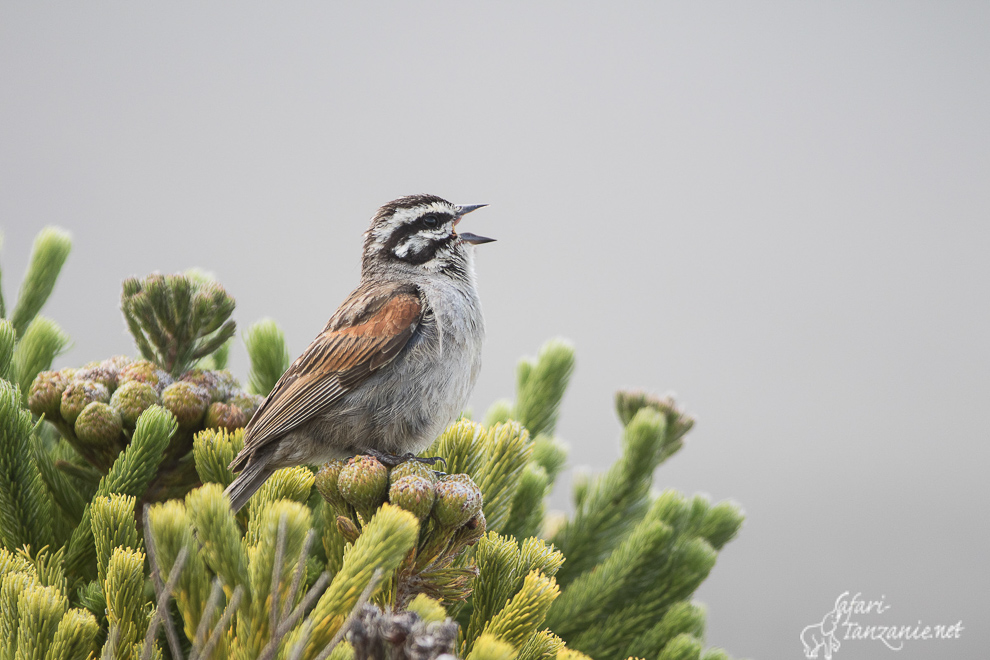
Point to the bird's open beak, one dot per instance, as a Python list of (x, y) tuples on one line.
[(467, 208), (473, 239)]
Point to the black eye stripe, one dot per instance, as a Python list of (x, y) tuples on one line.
[(434, 220), (402, 232), (428, 251)]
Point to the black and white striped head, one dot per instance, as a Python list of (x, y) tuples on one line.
[(419, 231)]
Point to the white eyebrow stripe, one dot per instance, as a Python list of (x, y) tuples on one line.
[(405, 216)]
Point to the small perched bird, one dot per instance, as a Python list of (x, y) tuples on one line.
[(395, 363)]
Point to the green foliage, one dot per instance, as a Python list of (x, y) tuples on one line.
[(269, 355), (53, 456), (541, 385), (130, 475), (25, 506), (515, 589), (42, 341), (7, 340), (617, 579), (428, 609), (499, 413), (682, 647), (36, 620), (618, 499), (528, 509), (135, 467), (124, 589), (172, 528), (682, 618), (615, 609), (95, 409), (504, 567), (113, 523), (223, 547), (493, 458), (218, 359), (385, 541), (522, 615), (51, 248), (28, 343), (39, 609), (543, 644), (75, 636), (3, 305), (308, 573), (177, 320), (550, 454), (490, 647), (213, 450)]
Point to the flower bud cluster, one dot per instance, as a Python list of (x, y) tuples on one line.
[(449, 508), (97, 406), (362, 482)]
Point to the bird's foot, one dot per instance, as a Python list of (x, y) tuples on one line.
[(392, 460)]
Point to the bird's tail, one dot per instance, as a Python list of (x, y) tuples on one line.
[(247, 482)]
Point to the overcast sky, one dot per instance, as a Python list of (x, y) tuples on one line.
[(777, 210)]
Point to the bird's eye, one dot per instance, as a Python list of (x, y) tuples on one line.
[(431, 221)]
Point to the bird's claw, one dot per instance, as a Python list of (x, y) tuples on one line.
[(429, 460), (392, 460)]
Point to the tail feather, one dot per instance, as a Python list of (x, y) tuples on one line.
[(247, 483)]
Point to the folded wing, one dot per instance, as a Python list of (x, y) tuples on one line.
[(369, 330)]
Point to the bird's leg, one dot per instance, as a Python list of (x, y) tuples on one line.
[(392, 460)]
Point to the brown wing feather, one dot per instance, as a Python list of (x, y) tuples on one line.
[(368, 331)]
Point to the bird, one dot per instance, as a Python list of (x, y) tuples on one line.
[(395, 363)]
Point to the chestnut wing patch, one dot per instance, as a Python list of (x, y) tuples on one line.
[(368, 331)]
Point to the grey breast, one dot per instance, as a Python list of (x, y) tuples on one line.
[(407, 404)]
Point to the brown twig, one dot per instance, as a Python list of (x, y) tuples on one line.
[(277, 562), (203, 629), (300, 572), (161, 605), (170, 633), (289, 622), (235, 601)]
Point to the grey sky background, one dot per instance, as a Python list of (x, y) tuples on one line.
[(777, 210)]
